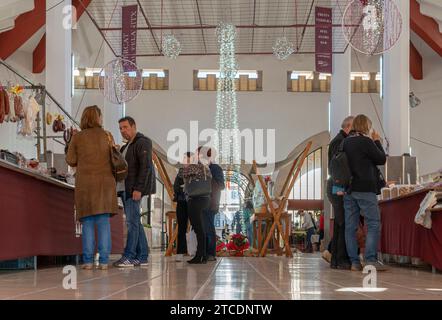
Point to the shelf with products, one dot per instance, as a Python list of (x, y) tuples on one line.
[(245, 80), (311, 81), (151, 79)]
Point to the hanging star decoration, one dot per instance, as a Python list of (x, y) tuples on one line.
[(171, 46), (282, 48)]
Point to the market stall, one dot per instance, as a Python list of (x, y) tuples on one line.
[(401, 236), (37, 216)]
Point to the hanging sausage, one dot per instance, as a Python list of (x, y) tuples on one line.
[(18, 107), (7, 105), (2, 105)]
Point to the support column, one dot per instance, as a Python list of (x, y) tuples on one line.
[(58, 60), (340, 97), (340, 108), (396, 88)]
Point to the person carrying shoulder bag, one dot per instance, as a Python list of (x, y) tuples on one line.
[(364, 152), (197, 187), (95, 190)]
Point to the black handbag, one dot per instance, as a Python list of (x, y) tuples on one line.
[(380, 181), (198, 187)]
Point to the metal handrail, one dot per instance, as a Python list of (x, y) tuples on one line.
[(44, 88)]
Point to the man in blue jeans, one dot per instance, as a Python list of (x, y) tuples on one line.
[(139, 182)]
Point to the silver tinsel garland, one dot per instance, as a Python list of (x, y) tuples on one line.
[(226, 103)]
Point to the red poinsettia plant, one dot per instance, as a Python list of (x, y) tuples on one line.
[(220, 245), (238, 243)]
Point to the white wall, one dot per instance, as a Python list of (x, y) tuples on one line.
[(426, 119), (295, 116)]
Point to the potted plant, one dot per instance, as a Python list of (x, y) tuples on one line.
[(237, 244)]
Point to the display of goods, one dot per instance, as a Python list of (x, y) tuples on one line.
[(386, 193), (67, 135), (26, 126), (58, 125), (406, 189), (4, 105), (18, 107), (394, 192), (8, 156), (33, 164), (49, 118), (400, 190)]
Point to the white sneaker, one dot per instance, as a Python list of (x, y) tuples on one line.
[(179, 258)]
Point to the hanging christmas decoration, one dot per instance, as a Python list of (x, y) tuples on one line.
[(226, 103), (282, 48), (372, 26), (171, 46), (120, 81)]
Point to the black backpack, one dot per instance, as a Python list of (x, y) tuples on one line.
[(340, 169)]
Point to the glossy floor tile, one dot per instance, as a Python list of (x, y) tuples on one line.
[(305, 276)]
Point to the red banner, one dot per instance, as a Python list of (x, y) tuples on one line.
[(129, 35), (324, 39)]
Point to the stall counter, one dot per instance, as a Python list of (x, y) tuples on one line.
[(37, 216)]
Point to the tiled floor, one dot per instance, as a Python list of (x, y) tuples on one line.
[(301, 277)]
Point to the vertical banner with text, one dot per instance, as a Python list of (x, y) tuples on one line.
[(129, 35), (323, 39)]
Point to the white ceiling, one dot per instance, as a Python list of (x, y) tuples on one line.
[(182, 18)]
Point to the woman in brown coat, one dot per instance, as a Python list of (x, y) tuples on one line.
[(95, 188)]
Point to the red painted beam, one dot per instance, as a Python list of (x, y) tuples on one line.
[(80, 6), (39, 56), (26, 25), (416, 66), (425, 27)]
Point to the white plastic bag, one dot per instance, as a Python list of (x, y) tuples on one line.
[(191, 242)]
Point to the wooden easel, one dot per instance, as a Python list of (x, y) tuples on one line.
[(276, 213), (171, 215)]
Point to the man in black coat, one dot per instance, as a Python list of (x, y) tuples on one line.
[(140, 182), (339, 256)]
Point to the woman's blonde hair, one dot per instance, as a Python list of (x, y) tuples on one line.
[(90, 118), (362, 124)]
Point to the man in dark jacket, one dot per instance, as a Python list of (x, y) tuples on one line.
[(339, 257), (139, 182), (218, 184)]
